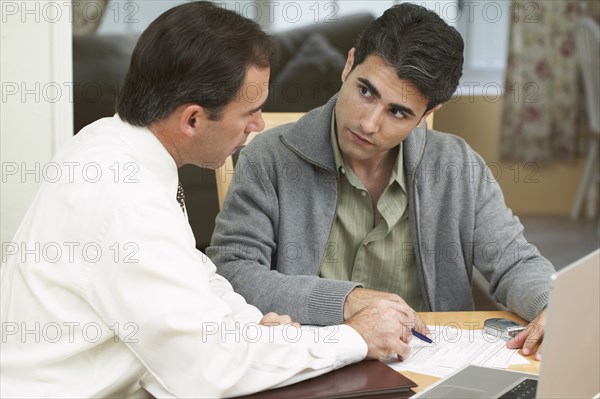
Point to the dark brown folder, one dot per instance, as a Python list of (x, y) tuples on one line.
[(369, 378)]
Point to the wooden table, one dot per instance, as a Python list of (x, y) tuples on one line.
[(473, 321)]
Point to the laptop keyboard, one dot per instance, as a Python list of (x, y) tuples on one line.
[(525, 390)]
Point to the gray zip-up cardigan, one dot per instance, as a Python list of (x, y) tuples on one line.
[(272, 233)]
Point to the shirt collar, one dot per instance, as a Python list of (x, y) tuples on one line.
[(151, 152)]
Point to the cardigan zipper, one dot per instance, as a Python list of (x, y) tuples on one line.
[(421, 262)]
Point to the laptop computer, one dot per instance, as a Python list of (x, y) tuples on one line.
[(570, 366)]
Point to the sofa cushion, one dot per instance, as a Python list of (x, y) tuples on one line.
[(342, 34), (309, 79)]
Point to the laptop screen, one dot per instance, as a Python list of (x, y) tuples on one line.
[(570, 366)]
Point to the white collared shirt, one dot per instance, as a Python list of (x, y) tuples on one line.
[(103, 292)]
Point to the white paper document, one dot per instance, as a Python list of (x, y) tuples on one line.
[(455, 348)]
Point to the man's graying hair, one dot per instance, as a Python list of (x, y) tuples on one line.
[(195, 53), (420, 46)]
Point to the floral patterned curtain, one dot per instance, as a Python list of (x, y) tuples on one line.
[(543, 100), (87, 15)]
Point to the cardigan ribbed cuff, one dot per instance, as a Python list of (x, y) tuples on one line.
[(538, 304), (326, 301)]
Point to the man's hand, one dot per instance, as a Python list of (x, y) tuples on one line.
[(385, 326), (359, 298), (531, 337), (273, 319)]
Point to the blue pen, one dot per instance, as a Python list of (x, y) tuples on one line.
[(422, 337)]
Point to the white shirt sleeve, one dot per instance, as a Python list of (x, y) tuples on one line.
[(221, 287), (196, 337)]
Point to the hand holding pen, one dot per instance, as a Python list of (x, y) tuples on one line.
[(422, 337)]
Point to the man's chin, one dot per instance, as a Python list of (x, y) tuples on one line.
[(217, 165), (210, 165)]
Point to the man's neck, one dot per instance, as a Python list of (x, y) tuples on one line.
[(375, 173)]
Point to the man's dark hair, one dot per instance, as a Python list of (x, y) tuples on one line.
[(195, 53), (420, 46)]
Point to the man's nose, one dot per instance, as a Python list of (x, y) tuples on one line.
[(257, 123), (371, 121)]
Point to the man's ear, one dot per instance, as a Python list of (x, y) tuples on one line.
[(431, 111), (349, 64), (193, 119)]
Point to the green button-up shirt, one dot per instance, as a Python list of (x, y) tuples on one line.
[(379, 256)]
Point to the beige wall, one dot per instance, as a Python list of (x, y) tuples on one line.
[(533, 189), (35, 60)]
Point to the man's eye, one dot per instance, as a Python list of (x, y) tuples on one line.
[(397, 113), (365, 91)]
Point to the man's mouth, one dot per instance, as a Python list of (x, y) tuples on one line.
[(239, 146), (359, 139)]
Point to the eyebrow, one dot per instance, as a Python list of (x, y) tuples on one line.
[(377, 94), (253, 110)]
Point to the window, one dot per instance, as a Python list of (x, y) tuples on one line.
[(132, 16)]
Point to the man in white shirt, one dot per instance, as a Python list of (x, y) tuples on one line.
[(103, 292)]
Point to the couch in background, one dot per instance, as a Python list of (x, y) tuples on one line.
[(307, 74)]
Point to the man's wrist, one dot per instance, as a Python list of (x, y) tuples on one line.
[(349, 310)]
